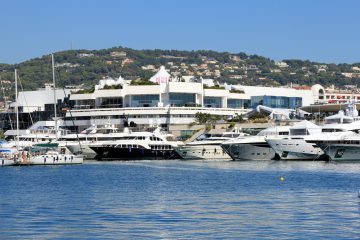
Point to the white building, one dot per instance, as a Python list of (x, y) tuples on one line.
[(171, 101), (30, 101)]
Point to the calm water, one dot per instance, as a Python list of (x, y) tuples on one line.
[(181, 200)]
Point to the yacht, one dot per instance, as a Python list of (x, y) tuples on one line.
[(339, 146), (7, 157), (47, 154), (254, 147), (137, 146), (44, 154), (294, 147), (39, 132), (79, 143), (208, 147)]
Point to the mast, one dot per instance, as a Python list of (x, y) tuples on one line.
[(16, 112), (53, 75)]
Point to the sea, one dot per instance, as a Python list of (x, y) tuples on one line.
[(181, 200)]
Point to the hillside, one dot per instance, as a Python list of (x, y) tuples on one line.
[(76, 67)]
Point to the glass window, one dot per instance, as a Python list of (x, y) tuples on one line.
[(182, 99), (150, 100), (212, 102), (236, 103), (112, 102), (276, 101)]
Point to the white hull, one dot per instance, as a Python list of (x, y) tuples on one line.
[(340, 152), (85, 150), (209, 152), (61, 159), (295, 149), (243, 151), (6, 162)]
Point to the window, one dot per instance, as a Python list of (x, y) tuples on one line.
[(181, 99), (237, 103), (150, 100), (212, 102), (112, 102)]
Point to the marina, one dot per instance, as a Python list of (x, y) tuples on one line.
[(180, 120)]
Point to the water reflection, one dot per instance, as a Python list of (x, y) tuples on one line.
[(181, 200)]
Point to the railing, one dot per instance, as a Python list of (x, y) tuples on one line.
[(161, 109)]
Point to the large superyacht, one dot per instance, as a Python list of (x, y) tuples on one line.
[(137, 146), (295, 146), (339, 146), (254, 147), (79, 143)]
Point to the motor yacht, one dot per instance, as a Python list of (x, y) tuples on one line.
[(339, 146), (208, 147), (254, 147), (79, 143), (137, 146), (294, 146)]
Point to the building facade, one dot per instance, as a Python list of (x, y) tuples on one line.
[(168, 101), (174, 101)]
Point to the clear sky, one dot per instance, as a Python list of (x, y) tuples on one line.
[(318, 30)]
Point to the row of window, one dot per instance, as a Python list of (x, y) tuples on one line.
[(340, 97), (276, 102), (151, 100)]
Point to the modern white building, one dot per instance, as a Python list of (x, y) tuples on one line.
[(174, 101), (169, 101), (166, 102), (31, 101)]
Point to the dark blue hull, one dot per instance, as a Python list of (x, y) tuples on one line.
[(116, 153)]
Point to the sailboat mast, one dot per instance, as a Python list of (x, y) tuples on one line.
[(16, 111), (53, 75)]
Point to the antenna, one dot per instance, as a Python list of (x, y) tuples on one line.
[(53, 73), (16, 111)]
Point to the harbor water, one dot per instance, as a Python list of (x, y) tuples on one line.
[(181, 200)]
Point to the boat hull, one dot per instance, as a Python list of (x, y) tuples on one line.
[(6, 162), (118, 153), (342, 153), (296, 149), (203, 152), (85, 150), (253, 151), (63, 159)]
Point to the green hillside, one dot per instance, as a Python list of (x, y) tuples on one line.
[(76, 67)]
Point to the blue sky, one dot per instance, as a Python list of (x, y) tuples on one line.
[(318, 30)]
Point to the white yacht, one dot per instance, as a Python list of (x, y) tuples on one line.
[(7, 157), (26, 155), (294, 147), (39, 132), (47, 154), (254, 147), (339, 146), (79, 143), (208, 147), (137, 146)]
